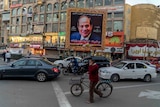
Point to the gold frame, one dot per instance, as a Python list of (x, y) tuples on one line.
[(86, 47)]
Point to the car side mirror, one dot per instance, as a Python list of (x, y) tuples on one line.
[(12, 65), (125, 68)]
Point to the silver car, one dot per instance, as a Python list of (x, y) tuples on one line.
[(128, 70)]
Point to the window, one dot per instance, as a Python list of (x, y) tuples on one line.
[(64, 5), (55, 27), (118, 15), (18, 1), (30, 10), (118, 25), (18, 20), (109, 26), (17, 29), (24, 1), (55, 17), (98, 2), (42, 8), (24, 11), (19, 63), (109, 15), (31, 63), (118, 1), (13, 20), (49, 7), (31, 1), (41, 18), (56, 6), (49, 28), (49, 17), (24, 27), (35, 18), (130, 66), (89, 3), (14, 12), (19, 11), (108, 2), (72, 3), (29, 28), (80, 3), (62, 27), (23, 19), (63, 16), (140, 66), (12, 29)]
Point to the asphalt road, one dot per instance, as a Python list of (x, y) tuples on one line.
[(56, 93)]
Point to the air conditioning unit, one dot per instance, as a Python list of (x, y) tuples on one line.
[(39, 2)]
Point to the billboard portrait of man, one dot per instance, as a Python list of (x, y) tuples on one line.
[(86, 28)]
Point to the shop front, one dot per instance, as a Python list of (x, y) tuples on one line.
[(114, 45), (142, 51)]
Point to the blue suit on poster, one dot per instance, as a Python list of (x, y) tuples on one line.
[(77, 36)]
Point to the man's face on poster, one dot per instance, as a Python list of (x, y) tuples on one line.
[(84, 26)]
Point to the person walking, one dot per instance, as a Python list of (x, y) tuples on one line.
[(3, 55), (8, 56), (93, 77)]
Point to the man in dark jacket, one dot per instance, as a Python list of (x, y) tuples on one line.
[(4, 57), (93, 77)]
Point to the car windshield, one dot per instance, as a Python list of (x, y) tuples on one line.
[(119, 65)]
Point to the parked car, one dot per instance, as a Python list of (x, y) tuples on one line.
[(66, 61), (37, 68), (156, 62), (100, 60), (128, 70)]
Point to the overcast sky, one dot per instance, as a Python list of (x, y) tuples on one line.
[(133, 2)]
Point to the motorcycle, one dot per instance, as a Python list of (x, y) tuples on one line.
[(80, 70)]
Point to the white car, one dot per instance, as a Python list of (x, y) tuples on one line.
[(128, 70), (66, 61)]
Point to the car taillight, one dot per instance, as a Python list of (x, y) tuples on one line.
[(55, 70)]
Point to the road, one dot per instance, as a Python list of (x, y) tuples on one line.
[(56, 93)]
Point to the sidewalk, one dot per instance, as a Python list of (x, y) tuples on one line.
[(2, 62)]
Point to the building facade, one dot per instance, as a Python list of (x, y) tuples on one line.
[(39, 26)]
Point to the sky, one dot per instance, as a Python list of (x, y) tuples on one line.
[(133, 2)]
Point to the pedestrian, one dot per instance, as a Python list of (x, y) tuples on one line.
[(8, 56), (93, 77), (3, 55), (74, 65)]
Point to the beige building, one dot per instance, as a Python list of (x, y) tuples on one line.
[(39, 26)]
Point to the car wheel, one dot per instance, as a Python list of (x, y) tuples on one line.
[(115, 78), (41, 77), (147, 78)]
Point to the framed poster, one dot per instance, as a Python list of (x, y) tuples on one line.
[(85, 29)]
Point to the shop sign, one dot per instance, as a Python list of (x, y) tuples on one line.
[(144, 51), (35, 46), (109, 34), (114, 49)]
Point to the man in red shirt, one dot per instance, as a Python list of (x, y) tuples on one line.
[(93, 77)]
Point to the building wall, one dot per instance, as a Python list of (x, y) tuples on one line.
[(127, 22), (145, 22)]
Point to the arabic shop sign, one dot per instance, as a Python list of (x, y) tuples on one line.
[(144, 51)]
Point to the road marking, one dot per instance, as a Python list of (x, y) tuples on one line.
[(123, 87), (62, 100), (150, 94)]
